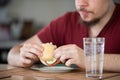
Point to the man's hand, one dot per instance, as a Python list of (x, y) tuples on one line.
[(29, 53), (70, 54)]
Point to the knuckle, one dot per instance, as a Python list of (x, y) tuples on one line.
[(33, 50), (22, 60), (25, 45), (57, 55), (21, 54), (21, 49), (35, 46)]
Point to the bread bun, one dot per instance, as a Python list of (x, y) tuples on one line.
[(48, 57)]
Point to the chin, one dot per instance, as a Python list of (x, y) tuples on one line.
[(87, 19), (90, 22)]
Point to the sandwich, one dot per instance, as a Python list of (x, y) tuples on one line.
[(48, 55)]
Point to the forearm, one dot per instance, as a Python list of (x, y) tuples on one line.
[(111, 62)]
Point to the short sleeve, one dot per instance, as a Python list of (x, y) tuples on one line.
[(54, 32)]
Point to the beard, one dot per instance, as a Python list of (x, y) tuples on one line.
[(90, 23)]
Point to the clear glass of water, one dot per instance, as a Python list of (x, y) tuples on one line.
[(94, 56)]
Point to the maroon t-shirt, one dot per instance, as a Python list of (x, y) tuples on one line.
[(68, 30)]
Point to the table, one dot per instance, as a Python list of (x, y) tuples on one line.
[(8, 72)]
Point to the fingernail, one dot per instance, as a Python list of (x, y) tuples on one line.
[(41, 49)]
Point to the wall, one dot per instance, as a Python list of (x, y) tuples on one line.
[(40, 10)]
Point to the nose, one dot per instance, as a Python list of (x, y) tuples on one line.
[(82, 3)]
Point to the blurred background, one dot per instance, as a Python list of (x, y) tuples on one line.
[(20, 19), (29, 15)]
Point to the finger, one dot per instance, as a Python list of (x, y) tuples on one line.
[(34, 48), (27, 54), (30, 50), (57, 55), (69, 62), (65, 50), (63, 58), (31, 56), (38, 47), (35, 51), (26, 61)]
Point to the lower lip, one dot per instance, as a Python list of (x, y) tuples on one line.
[(84, 13)]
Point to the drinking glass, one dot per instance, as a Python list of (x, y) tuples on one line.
[(94, 56)]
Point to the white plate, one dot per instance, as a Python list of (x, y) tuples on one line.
[(53, 69)]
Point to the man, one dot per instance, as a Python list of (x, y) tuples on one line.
[(93, 18)]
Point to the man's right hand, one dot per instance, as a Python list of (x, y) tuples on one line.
[(29, 53)]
